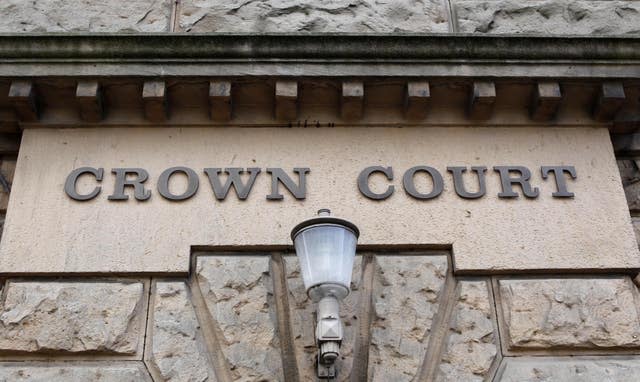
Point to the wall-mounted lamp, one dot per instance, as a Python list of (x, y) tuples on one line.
[(326, 247)]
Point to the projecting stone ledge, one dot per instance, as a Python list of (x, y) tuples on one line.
[(591, 369), (85, 16), (585, 314), (81, 371), (72, 317), (560, 17), (313, 16)]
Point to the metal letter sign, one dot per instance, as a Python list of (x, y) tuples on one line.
[(242, 181)]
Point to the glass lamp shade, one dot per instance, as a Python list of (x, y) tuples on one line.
[(326, 247)]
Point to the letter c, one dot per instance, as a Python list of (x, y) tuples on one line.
[(363, 182), (70, 184)]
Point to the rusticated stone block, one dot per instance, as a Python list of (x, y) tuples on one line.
[(578, 313), (587, 369), (471, 345), (629, 171), (176, 350), (548, 17), (238, 291), (302, 313), (632, 193), (7, 169), (406, 297), (630, 176), (368, 16), (81, 371), (72, 317), (636, 227), (85, 16)]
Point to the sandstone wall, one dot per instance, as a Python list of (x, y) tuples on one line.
[(565, 17), (246, 317)]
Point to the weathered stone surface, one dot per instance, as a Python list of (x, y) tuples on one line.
[(471, 344), (405, 299), (568, 17), (630, 176), (84, 371), (632, 193), (7, 169), (636, 227), (85, 16), (177, 351), (238, 291), (72, 317), (593, 369), (302, 313), (313, 16), (578, 313)]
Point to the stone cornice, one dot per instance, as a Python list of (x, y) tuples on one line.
[(388, 47), (318, 55), (301, 79)]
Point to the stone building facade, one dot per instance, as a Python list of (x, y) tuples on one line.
[(122, 259)]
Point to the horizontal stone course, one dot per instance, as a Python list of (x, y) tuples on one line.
[(363, 16), (569, 313), (81, 371), (563, 17), (72, 317), (592, 369), (85, 16), (546, 317)]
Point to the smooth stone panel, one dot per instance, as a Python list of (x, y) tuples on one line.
[(72, 317), (363, 16), (582, 313), (67, 372), (549, 17), (471, 346), (238, 291), (175, 350), (591, 231), (85, 16), (406, 297), (586, 369)]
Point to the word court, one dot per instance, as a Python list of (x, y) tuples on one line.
[(513, 179)]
